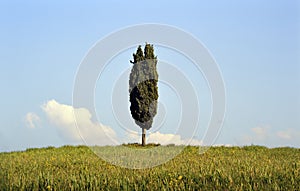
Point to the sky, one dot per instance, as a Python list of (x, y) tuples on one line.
[(256, 45)]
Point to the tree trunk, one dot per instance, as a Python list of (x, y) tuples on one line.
[(143, 136)]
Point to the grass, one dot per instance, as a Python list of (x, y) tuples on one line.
[(219, 168)]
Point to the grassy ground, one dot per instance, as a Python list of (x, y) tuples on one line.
[(220, 168)]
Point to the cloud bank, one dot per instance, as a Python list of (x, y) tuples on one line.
[(272, 137), (163, 139), (80, 130)]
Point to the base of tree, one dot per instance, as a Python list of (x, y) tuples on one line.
[(138, 145)]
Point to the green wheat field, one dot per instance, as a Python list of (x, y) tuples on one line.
[(219, 168)]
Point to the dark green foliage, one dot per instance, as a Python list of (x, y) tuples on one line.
[(143, 86)]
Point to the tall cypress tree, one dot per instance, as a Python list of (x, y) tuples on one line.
[(143, 88)]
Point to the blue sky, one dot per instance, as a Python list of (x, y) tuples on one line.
[(255, 43)]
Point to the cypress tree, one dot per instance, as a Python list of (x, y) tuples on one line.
[(143, 88)]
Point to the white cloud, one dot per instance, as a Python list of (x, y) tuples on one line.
[(32, 120), (271, 137), (258, 135), (261, 132), (83, 130), (222, 145), (287, 134), (195, 142), (163, 139)]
